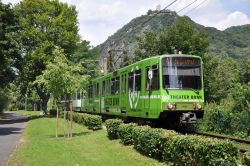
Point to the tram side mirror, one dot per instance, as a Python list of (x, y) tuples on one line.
[(150, 74)]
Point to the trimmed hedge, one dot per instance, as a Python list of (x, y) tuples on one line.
[(93, 122), (125, 133), (196, 150), (172, 147), (246, 158), (112, 126), (148, 141)]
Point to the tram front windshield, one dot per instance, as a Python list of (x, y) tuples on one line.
[(181, 73)]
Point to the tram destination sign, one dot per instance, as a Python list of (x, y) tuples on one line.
[(181, 61)]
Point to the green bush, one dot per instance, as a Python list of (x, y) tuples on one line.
[(195, 150), (93, 122), (224, 120), (246, 159), (148, 141), (125, 133), (112, 126)]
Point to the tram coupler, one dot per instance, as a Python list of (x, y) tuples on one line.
[(188, 118)]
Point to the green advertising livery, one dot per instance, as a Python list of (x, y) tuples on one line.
[(168, 88)]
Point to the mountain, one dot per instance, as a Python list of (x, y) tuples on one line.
[(234, 41)]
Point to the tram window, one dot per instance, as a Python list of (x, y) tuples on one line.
[(107, 87), (94, 90), (130, 81), (78, 96), (97, 90), (115, 85), (90, 91), (155, 79), (103, 88), (138, 80), (123, 84), (147, 79)]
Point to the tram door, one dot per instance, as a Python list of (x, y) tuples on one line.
[(152, 86), (147, 90), (123, 92)]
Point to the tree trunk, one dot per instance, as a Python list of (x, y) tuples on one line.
[(44, 97)]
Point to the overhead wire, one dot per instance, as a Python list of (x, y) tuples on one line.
[(195, 7), (159, 12), (186, 6), (170, 4)]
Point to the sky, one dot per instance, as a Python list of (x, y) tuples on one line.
[(99, 19)]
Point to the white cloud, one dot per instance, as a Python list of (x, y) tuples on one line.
[(233, 19)]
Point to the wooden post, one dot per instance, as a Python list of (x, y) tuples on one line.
[(65, 122), (57, 115), (71, 119), (68, 118)]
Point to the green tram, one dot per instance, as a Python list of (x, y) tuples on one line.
[(166, 88)]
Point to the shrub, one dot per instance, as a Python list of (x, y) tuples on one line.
[(93, 122), (223, 119), (149, 141), (246, 158), (125, 133), (173, 147), (195, 150), (112, 127)]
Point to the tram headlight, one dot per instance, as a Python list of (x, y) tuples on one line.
[(199, 106), (170, 106)]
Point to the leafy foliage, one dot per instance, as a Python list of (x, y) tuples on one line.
[(88, 58), (60, 78), (93, 122), (112, 127), (220, 76), (125, 133), (181, 36), (174, 148), (195, 150), (224, 119), (4, 100), (45, 25), (10, 57), (246, 158), (149, 141)]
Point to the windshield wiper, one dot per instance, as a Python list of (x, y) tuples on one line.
[(195, 90)]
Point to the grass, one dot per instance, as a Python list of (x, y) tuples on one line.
[(39, 147)]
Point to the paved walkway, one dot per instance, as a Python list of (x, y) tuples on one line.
[(11, 128)]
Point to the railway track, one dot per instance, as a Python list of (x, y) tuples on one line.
[(241, 141)]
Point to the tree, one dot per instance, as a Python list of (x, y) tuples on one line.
[(181, 36), (221, 74), (60, 78), (88, 57), (245, 69), (10, 57), (45, 25)]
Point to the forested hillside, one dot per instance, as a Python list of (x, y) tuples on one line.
[(234, 41)]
